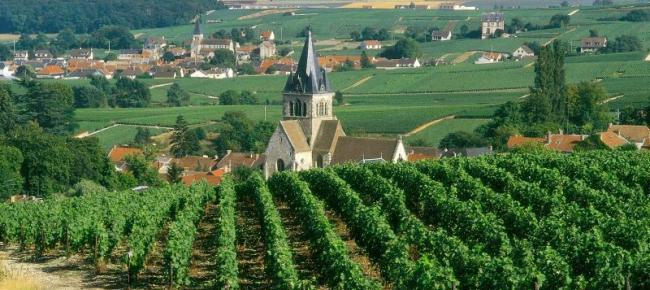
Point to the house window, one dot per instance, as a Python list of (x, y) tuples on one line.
[(279, 165)]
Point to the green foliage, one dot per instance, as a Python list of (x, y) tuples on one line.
[(240, 134), (592, 142), (404, 48), (223, 58), (86, 187), (177, 96), (637, 15), (142, 170), (8, 114), (559, 20), (462, 139), (142, 136), (587, 109), (89, 97), (175, 173), (11, 160), (168, 57), (226, 259), (51, 106), (338, 97), (5, 53), (129, 93), (365, 60), (232, 97), (184, 142), (247, 69), (623, 43)]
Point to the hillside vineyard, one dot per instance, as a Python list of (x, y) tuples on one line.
[(513, 221)]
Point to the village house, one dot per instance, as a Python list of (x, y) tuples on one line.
[(88, 72), (309, 134), (331, 62), (267, 35), (558, 142), (129, 54), (489, 57), (370, 45), (466, 152), (636, 134), (213, 177), (51, 71), (592, 44), (214, 73), (456, 7), (440, 35), (166, 72), (82, 54), (281, 69), (21, 55), (417, 153), (523, 52), (383, 63), (117, 155), (267, 49), (42, 54), (612, 140), (5, 70), (233, 160), (491, 23), (244, 53), (265, 64)]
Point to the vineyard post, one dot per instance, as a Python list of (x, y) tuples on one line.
[(628, 285), (128, 268)]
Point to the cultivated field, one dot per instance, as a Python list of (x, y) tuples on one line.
[(511, 221)]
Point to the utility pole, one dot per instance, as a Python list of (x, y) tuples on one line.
[(109, 46)]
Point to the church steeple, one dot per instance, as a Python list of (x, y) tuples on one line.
[(197, 26), (310, 77)]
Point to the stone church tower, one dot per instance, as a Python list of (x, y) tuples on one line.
[(197, 39), (309, 134)]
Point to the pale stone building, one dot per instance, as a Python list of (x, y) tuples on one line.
[(309, 134), (204, 47), (491, 23)]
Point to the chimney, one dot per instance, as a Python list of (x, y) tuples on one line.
[(548, 137), (228, 152), (251, 155), (561, 132)]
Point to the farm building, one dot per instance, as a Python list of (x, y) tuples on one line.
[(309, 134), (441, 35), (456, 7), (489, 57), (523, 52), (82, 54), (42, 54), (215, 73), (21, 55), (267, 49), (331, 62), (370, 45), (383, 63), (558, 142), (491, 23), (636, 134), (592, 44)]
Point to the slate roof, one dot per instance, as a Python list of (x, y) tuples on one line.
[(492, 17), (357, 149), (296, 136), (328, 134), (197, 27), (310, 77)]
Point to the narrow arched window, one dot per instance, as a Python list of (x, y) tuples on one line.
[(304, 109), (290, 108)]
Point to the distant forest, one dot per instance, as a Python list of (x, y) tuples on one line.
[(84, 16)]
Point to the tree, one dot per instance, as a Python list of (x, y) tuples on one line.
[(130, 93), (239, 133), (603, 2), (168, 57), (101, 83), (587, 110), (365, 60), (461, 139), (284, 51), (25, 72), (559, 20), (229, 97), (89, 97), (549, 85), (355, 35), (637, 15), (177, 96), (5, 53), (11, 161), (51, 106), (25, 42), (247, 69), (89, 161), (183, 141), (85, 187), (66, 39), (175, 173), (593, 142), (338, 96), (404, 48), (593, 33), (141, 169), (111, 56), (8, 114), (565, 3), (142, 136), (223, 58), (624, 43), (248, 98), (119, 37)]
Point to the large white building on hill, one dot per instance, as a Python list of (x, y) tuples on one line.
[(309, 134)]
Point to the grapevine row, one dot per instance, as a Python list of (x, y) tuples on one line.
[(338, 270), (226, 259)]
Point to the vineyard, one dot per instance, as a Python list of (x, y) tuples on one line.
[(514, 221)]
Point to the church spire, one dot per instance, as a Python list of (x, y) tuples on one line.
[(310, 77), (197, 26)]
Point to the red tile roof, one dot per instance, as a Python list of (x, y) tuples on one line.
[(518, 140), (563, 143), (634, 133), (213, 177), (117, 154), (612, 140)]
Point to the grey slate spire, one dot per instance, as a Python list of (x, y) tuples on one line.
[(197, 26), (310, 77)]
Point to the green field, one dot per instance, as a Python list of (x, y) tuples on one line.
[(435, 133), (121, 135)]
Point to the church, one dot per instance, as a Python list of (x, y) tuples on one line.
[(309, 134)]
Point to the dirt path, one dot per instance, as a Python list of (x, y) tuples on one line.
[(612, 99), (360, 82), (128, 125), (265, 13), (250, 246), (204, 249), (554, 38), (427, 125), (463, 57), (478, 91), (574, 12), (58, 273), (160, 86), (356, 253), (647, 58)]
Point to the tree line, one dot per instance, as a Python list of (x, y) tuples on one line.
[(33, 16)]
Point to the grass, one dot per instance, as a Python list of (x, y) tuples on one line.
[(435, 133), (121, 135)]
